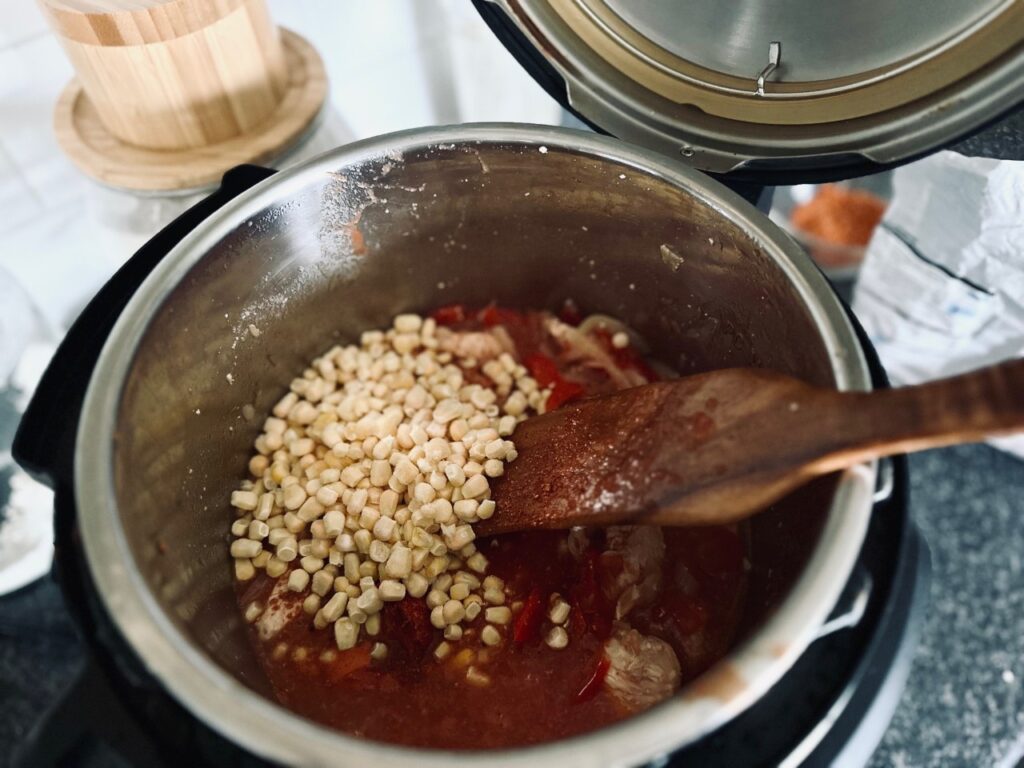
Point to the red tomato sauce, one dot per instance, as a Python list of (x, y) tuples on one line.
[(536, 693)]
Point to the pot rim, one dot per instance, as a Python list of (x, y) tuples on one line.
[(271, 731)]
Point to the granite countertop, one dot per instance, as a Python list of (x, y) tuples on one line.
[(1004, 140), (963, 705)]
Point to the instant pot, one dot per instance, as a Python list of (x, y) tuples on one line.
[(171, 383), (145, 417)]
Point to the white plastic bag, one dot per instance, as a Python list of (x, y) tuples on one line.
[(942, 287)]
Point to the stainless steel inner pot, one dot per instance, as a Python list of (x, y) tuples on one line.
[(527, 216)]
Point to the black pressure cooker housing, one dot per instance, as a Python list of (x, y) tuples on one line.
[(840, 680), (835, 701)]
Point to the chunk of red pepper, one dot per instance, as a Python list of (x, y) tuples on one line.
[(563, 392), (593, 685), (543, 369), (489, 315), (452, 314), (570, 313), (595, 612), (626, 358), (577, 621), (492, 315), (528, 621)]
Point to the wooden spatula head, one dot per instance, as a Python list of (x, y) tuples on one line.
[(717, 447), (633, 455)]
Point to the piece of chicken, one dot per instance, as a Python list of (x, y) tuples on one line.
[(582, 347), (282, 607), (642, 670), (631, 566), (481, 345)]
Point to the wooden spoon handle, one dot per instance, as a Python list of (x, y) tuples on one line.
[(985, 403)]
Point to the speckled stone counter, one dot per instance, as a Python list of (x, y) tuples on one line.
[(964, 704), (1004, 140)]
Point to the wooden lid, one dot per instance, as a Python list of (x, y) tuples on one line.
[(111, 161)]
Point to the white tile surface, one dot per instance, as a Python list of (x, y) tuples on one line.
[(18, 204), (32, 75), (22, 20), (55, 181), (58, 260)]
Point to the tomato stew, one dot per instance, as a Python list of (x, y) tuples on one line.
[(531, 692)]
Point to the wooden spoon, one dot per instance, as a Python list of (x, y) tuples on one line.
[(720, 446)]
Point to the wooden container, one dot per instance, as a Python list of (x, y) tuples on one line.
[(169, 94), (171, 74)]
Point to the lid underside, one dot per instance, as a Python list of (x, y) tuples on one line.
[(868, 85), (820, 41)]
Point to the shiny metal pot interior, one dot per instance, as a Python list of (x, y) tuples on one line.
[(524, 215)]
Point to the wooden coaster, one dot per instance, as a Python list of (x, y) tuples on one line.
[(100, 154)]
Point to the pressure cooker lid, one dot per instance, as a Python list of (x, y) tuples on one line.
[(775, 92)]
